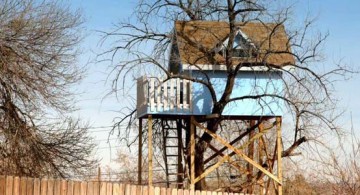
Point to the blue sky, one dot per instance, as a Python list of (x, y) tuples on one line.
[(341, 20)]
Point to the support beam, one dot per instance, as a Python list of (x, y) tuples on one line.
[(212, 168), (150, 150), (250, 154), (279, 152), (140, 153), (192, 153), (254, 138), (237, 151), (229, 160), (232, 142), (180, 170), (261, 145)]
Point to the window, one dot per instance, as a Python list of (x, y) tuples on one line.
[(240, 52), (242, 46)]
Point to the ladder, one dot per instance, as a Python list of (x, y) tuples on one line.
[(173, 152)]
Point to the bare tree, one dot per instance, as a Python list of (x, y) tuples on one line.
[(308, 91), (340, 165), (332, 169), (37, 53)]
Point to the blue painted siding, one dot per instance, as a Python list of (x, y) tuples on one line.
[(246, 83)]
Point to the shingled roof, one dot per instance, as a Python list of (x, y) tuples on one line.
[(197, 41)]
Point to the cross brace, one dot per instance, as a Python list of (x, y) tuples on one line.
[(237, 151)]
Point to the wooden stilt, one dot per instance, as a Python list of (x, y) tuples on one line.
[(261, 145), (251, 156), (260, 157), (192, 154), (150, 150), (180, 171), (140, 153), (279, 151)]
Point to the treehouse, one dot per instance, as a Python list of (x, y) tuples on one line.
[(259, 51), (203, 56)]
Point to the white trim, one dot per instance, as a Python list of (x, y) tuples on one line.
[(204, 67), (246, 38), (224, 44)]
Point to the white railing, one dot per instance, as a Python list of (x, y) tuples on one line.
[(167, 97)]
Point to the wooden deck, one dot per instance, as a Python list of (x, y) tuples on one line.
[(167, 98)]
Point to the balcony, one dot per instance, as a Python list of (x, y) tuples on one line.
[(172, 97), (182, 97)]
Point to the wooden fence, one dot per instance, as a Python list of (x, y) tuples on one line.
[(10, 185)]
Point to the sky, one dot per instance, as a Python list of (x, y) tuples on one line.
[(340, 20)]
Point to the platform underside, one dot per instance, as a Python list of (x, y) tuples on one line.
[(207, 117)]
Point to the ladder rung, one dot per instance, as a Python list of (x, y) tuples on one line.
[(176, 174), (171, 146), (172, 137), (172, 155), (175, 182)]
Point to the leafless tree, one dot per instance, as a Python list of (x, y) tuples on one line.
[(38, 42), (332, 169), (308, 91), (340, 165)]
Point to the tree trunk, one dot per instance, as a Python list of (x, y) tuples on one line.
[(200, 149)]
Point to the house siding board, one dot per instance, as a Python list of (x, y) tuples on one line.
[(246, 83)]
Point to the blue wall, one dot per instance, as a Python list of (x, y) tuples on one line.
[(246, 83)]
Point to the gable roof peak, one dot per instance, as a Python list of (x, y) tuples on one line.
[(196, 39)]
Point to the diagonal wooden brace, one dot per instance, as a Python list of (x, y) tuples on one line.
[(237, 151), (231, 162), (257, 136), (233, 142)]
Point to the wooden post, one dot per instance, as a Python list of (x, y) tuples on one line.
[(260, 147), (140, 153), (150, 150), (279, 152), (192, 153), (99, 174), (180, 171), (250, 155)]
